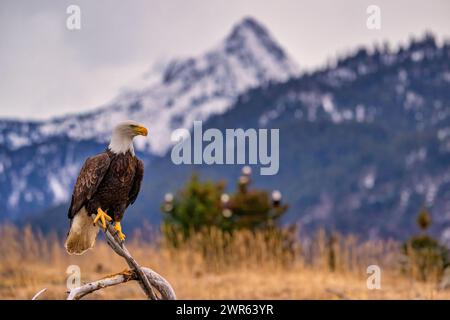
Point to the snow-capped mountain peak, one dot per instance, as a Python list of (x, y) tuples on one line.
[(248, 56), (250, 39), (196, 88), (189, 89)]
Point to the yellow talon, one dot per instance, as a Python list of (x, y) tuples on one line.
[(103, 217), (118, 228)]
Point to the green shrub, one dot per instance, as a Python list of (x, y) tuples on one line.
[(425, 257)]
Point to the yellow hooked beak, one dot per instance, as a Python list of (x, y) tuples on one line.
[(141, 131)]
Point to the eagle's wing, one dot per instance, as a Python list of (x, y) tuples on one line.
[(91, 174), (139, 174)]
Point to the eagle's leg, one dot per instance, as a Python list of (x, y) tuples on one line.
[(118, 228), (103, 217)]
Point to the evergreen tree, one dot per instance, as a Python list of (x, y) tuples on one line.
[(201, 204)]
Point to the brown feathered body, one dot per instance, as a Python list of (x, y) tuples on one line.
[(108, 181)]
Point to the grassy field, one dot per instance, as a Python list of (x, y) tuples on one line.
[(248, 267)]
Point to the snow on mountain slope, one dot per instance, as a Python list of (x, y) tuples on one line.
[(189, 89)]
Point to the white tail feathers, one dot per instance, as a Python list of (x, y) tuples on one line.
[(82, 233)]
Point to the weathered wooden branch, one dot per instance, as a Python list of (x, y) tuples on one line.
[(147, 278), (122, 277), (38, 294), (119, 248), (79, 292)]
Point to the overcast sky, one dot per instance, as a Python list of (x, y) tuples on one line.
[(47, 70)]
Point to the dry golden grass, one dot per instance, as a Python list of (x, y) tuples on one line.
[(248, 267)]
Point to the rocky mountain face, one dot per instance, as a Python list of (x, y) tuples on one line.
[(364, 143)]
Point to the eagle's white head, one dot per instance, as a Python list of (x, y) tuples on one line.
[(123, 134)]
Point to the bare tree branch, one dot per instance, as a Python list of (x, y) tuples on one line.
[(79, 292), (147, 278), (119, 248), (123, 277), (38, 294)]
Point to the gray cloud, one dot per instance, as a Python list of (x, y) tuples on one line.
[(47, 70)]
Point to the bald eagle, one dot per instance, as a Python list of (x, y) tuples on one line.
[(106, 185)]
